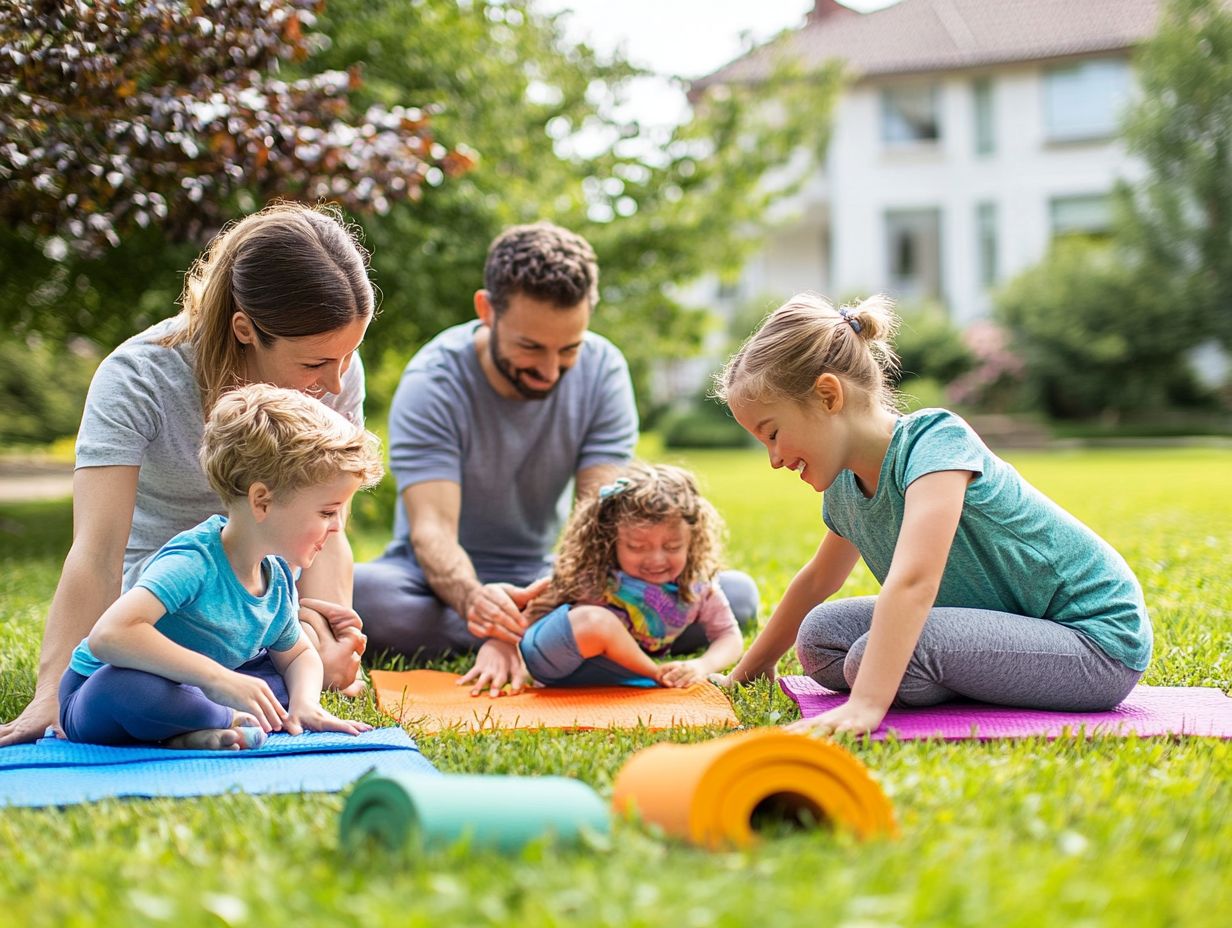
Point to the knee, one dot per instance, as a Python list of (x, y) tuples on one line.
[(814, 646), (855, 655), (742, 594), (593, 625)]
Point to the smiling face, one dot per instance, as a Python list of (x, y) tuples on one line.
[(804, 437), (531, 345), (653, 551), (311, 364), (297, 524)]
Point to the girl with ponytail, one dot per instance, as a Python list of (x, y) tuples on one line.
[(989, 590), (280, 297)]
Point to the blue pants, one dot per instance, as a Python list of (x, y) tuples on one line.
[(117, 705), (552, 657)]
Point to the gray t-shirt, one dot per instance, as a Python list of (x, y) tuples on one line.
[(514, 459), (1015, 550), (144, 409)]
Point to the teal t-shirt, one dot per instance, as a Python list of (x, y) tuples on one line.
[(208, 609), (1014, 551)]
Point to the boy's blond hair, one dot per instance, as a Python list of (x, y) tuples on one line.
[(285, 440), (643, 493)]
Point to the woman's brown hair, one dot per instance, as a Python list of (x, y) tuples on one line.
[(294, 270)]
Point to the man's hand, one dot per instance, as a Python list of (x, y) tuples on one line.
[(43, 710), (494, 610), (682, 673), (496, 664), (852, 716)]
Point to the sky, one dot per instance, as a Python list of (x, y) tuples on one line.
[(687, 38)]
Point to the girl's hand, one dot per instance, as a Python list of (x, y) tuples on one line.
[(852, 716), (681, 673), (312, 717), (247, 694), (742, 674)]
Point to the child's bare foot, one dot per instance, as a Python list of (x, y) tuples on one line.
[(339, 655), (245, 734)]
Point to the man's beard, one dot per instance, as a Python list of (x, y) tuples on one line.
[(515, 375)]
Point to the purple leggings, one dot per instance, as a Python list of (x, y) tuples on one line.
[(116, 705)]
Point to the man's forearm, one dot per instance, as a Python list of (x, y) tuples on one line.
[(447, 568)]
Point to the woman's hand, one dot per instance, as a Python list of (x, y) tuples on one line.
[(855, 716), (42, 711), (247, 694)]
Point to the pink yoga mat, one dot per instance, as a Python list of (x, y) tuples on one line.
[(1147, 711)]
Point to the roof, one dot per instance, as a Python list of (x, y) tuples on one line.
[(921, 36)]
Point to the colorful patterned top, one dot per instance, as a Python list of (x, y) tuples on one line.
[(656, 615)]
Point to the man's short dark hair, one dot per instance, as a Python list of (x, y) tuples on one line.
[(544, 262)]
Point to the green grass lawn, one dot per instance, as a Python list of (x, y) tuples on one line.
[(1103, 831)]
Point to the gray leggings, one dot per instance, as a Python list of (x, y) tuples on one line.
[(976, 654)]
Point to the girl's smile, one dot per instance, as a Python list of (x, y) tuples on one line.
[(653, 551)]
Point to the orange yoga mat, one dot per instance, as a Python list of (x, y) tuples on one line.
[(433, 701), (710, 793)]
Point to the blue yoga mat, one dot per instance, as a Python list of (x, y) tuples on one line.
[(55, 772)]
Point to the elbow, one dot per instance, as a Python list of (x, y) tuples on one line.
[(918, 587), (103, 643)]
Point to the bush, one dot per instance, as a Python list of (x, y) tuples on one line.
[(703, 423), (1096, 338), (930, 346), (43, 389)]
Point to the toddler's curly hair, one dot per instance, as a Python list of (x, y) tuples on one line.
[(642, 493), (285, 440)]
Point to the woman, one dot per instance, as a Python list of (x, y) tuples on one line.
[(281, 297)]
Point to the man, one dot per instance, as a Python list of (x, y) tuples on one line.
[(492, 422)]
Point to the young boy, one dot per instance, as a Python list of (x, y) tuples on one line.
[(181, 658)]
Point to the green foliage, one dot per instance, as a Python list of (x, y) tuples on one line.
[(930, 345), (1026, 834), (703, 423), (1092, 338), (42, 389), (1176, 222)]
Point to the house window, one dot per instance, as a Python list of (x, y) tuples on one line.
[(985, 132), (986, 243), (1088, 214), (909, 116), (1084, 101), (913, 249)]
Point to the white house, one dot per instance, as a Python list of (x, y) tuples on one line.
[(969, 134)]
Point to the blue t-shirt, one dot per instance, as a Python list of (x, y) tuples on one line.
[(514, 458), (208, 609), (1014, 551)]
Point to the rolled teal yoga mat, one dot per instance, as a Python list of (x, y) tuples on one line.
[(504, 813)]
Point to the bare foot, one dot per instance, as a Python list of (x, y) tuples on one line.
[(245, 734), (339, 656)]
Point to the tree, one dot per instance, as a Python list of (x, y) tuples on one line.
[(659, 209), (1093, 339), (1177, 224), (117, 116)]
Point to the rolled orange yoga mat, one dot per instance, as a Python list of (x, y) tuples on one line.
[(709, 793)]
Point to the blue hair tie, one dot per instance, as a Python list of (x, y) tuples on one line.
[(619, 485), (851, 320)]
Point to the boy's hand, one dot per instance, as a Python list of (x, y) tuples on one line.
[(682, 673), (247, 694), (313, 717)]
